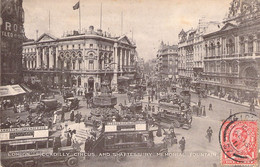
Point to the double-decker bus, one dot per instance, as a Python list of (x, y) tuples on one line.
[(30, 146), (128, 137)]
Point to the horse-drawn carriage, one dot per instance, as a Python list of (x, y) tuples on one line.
[(73, 103), (47, 106)]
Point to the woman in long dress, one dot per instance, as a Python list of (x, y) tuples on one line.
[(72, 115)]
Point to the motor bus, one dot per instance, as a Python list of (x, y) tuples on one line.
[(179, 116), (128, 137), (31, 146)]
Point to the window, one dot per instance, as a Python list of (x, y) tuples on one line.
[(42, 144), (31, 146), (20, 147), (50, 143), (73, 65), (3, 148), (91, 65), (91, 46), (79, 46), (250, 44), (11, 148)]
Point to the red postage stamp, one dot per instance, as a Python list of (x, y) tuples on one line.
[(239, 142)]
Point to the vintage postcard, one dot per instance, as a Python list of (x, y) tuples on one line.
[(172, 83)]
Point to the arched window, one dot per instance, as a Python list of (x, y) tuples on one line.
[(250, 44), (79, 81), (242, 45)]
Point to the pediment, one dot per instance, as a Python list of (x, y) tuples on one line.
[(228, 26), (46, 37), (125, 40)]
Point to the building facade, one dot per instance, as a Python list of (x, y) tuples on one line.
[(232, 61), (167, 61), (79, 60), (185, 56), (12, 36)]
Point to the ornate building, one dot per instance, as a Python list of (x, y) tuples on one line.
[(79, 60), (12, 36), (185, 56), (232, 61)]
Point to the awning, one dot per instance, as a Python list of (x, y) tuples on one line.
[(18, 89), (11, 90), (26, 88)]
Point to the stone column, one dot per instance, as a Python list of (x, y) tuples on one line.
[(43, 57), (121, 59), (125, 56), (37, 58), (254, 45), (115, 58), (51, 59), (246, 44), (57, 55)]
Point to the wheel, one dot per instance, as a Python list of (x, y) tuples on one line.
[(176, 124), (16, 164), (72, 161)]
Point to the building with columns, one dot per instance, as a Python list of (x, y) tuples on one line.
[(79, 60), (232, 54)]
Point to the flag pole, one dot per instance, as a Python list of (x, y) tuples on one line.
[(79, 18), (100, 17)]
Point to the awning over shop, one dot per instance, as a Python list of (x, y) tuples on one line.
[(11, 90), (18, 89), (26, 88)]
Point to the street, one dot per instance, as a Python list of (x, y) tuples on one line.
[(198, 151)]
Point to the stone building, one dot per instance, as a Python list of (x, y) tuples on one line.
[(167, 61), (79, 60), (232, 61)]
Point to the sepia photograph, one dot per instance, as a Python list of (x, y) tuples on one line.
[(130, 83)]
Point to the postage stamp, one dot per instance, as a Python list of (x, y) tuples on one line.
[(238, 139)]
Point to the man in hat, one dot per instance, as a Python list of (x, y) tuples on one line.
[(182, 143), (209, 133)]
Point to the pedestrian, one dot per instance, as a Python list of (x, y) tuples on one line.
[(56, 144), (182, 143), (153, 109), (62, 115), (88, 144), (159, 131), (78, 117), (210, 107), (72, 115), (69, 135), (199, 103), (209, 134), (50, 123)]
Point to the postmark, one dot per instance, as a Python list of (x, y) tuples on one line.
[(238, 137)]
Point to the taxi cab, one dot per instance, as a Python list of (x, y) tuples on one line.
[(128, 137)]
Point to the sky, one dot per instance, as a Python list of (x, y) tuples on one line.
[(151, 21)]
